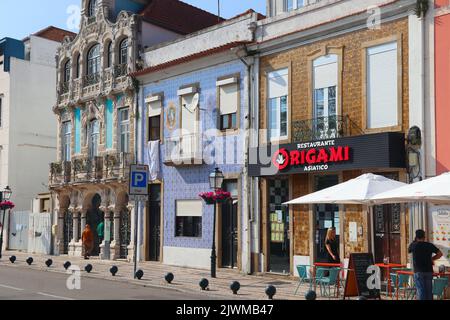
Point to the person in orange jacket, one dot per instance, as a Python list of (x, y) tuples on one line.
[(88, 241)]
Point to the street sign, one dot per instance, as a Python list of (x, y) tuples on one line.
[(138, 182)]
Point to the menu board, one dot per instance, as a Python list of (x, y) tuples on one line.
[(356, 284), (277, 227), (440, 232)]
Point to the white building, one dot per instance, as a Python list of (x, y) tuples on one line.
[(27, 125)]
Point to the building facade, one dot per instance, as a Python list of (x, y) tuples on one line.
[(195, 98), (334, 103), (27, 131), (97, 117)]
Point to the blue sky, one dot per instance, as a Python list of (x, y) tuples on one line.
[(19, 18)]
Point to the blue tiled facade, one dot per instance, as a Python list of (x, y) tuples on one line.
[(186, 182)]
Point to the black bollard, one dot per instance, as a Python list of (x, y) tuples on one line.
[(12, 259), (271, 291), (311, 295), (235, 287), (49, 263), (139, 274), (88, 268), (169, 277), (67, 265), (29, 261), (204, 283), (114, 270)]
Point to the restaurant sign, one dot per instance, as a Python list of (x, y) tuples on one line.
[(383, 150)]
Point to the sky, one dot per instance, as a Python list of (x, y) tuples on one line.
[(20, 18)]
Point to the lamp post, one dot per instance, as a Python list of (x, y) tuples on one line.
[(5, 195), (215, 181)]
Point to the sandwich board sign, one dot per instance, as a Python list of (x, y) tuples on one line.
[(138, 189)]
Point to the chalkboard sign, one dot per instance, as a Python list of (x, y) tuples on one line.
[(357, 276)]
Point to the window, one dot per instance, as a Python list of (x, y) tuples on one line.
[(77, 67), (189, 215), (91, 8), (123, 53), (228, 103), (278, 86), (382, 86), (124, 130), (67, 71), (110, 55), (93, 60), (94, 135), (66, 139), (325, 99), (294, 4), (154, 118)]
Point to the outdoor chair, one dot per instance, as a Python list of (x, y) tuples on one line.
[(439, 286), (303, 277), (404, 289), (326, 283)]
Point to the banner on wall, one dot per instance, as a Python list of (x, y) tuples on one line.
[(440, 231)]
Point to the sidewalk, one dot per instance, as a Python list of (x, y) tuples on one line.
[(186, 279)]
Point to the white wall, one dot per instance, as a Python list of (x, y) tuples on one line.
[(187, 257), (4, 133), (152, 35), (32, 125)]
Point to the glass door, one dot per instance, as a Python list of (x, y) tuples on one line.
[(279, 237)]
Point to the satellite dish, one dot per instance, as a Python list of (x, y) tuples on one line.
[(194, 104)]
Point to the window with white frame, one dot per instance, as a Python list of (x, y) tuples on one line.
[(382, 86), (189, 217), (228, 90), (124, 130), (277, 108), (94, 137), (66, 140), (325, 86), (294, 4), (154, 106)]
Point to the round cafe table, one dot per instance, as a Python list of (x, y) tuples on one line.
[(387, 270), (411, 273)]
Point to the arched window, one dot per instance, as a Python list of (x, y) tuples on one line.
[(94, 138), (123, 53), (67, 71), (91, 8), (77, 67), (93, 59), (110, 55)]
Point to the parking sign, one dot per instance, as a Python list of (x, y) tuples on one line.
[(138, 182)]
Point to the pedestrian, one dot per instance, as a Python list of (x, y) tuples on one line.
[(424, 254), (88, 241), (332, 246), (101, 231)]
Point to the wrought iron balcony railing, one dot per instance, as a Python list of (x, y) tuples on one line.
[(60, 172), (91, 79), (324, 128), (183, 150), (120, 70), (116, 165), (65, 87)]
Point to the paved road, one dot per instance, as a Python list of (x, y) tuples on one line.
[(22, 284)]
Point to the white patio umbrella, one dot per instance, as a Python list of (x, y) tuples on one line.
[(434, 190), (356, 191)]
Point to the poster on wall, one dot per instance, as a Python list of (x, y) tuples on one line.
[(440, 231)]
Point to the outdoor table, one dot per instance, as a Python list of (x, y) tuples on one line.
[(411, 273), (327, 265), (388, 267)]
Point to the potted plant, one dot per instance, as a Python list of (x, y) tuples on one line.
[(5, 205), (222, 196), (208, 197)]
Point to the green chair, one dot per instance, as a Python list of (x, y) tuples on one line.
[(326, 283), (303, 276), (439, 286), (403, 285)]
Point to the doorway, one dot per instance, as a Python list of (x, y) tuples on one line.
[(326, 217), (279, 238), (387, 230), (230, 236), (95, 218), (154, 211)]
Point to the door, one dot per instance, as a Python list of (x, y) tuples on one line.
[(68, 231), (39, 241), (125, 233), (229, 215), (18, 229), (327, 216), (154, 250), (279, 240), (387, 235)]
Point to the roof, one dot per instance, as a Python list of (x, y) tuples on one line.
[(52, 33), (178, 16), (189, 58)]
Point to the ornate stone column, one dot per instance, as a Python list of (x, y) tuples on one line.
[(115, 244), (59, 241), (132, 211), (105, 245)]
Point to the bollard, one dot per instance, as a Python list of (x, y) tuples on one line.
[(169, 277), (67, 265), (311, 295), (271, 291), (12, 259), (204, 283), (29, 261), (88, 268), (235, 287), (114, 270), (49, 263), (139, 274), (361, 298)]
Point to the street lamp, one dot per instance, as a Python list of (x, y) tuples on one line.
[(5, 195), (215, 181)]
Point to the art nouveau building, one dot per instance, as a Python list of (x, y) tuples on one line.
[(96, 113)]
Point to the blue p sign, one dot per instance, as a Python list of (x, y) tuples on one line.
[(139, 180)]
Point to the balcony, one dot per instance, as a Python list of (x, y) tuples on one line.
[(120, 70), (183, 150), (86, 170), (91, 79), (324, 128)]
